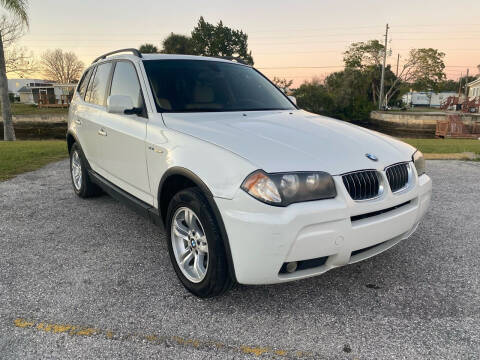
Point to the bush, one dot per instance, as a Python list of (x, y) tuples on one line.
[(312, 96)]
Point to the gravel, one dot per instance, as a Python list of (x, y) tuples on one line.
[(68, 264)]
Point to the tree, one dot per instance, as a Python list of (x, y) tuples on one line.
[(178, 44), (364, 54), (18, 8), (313, 96), (283, 84), (62, 67), (424, 68), (367, 57), (148, 49), (350, 91), (448, 85), (18, 59), (220, 40)]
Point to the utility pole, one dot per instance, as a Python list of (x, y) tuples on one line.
[(380, 102), (460, 84), (398, 60), (466, 85)]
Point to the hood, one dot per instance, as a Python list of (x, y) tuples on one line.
[(279, 141)]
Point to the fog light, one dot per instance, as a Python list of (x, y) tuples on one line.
[(291, 266)]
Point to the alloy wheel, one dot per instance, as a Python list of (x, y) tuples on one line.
[(189, 244), (76, 169)]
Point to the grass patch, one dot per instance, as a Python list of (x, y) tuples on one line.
[(445, 146), (17, 157), (27, 109)]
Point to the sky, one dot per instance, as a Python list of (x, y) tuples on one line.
[(296, 40)]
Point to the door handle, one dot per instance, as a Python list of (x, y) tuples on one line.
[(155, 148), (102, 132), (78, 122)]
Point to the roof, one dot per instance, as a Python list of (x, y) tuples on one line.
[(474, 82), (166, 57), (181, 57), (24, 89), (431, 92)]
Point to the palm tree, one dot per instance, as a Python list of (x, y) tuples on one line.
[(17, 8)]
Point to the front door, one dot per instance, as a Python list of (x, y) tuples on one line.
[(123, 157)]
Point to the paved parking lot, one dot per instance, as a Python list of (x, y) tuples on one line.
[(91, 279)]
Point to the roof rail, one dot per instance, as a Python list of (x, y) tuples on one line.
[(133, 51)]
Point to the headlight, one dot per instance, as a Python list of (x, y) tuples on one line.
[(419, 162), (288, 188)]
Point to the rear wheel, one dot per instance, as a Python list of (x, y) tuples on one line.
[(81, 182), (195, 245)]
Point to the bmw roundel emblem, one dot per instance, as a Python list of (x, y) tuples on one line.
[(371, 157)]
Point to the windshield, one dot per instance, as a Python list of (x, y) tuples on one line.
[(200, 85)]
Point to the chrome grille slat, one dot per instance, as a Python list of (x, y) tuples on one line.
[(362, 185), (397, 176)]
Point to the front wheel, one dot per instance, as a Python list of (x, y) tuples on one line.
[(195, 245), (81, 182)]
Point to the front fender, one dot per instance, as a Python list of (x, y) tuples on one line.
[(221, 171)]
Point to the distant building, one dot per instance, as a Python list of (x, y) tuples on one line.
[(438, 98), (14, 85), (34, 91), (426, 98), (474, 88), (46, 93)]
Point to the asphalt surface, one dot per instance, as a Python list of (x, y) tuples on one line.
[(91, 279)]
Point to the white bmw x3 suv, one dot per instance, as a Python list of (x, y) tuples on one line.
[(249, 188)]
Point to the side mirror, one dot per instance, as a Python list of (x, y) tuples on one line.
[(117, 104), (293, 99)]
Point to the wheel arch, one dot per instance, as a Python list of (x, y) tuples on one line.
[(178, 178), (71, 139)]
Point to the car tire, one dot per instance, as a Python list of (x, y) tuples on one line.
[(193, 236), (82, 185)]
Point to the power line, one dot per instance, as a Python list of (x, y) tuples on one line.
[(300, 67)]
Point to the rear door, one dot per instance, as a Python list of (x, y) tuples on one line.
[(93, 114), (123, 157), (78, 113)]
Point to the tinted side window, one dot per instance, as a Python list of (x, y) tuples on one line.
[(125, 82), (90, 83), (82, 87), (97, 88)]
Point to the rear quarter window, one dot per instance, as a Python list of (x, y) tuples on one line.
[(82, 86)]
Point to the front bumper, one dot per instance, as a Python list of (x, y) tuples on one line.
[(262, 238)]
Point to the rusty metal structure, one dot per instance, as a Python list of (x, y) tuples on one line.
[(471, 105), (449, 102), (468, 105), (454, 127)]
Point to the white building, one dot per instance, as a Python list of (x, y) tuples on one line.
[(438, 98), (474, 88), (16, 84), (47, 93), (426, 98)]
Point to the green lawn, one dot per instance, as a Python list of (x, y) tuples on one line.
[(20, 156), (445, 146), (26, 109)]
